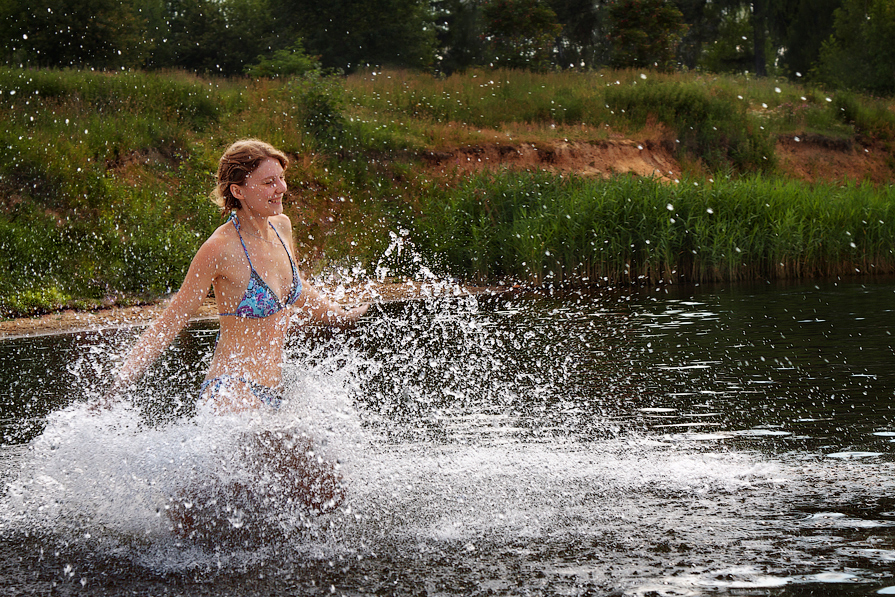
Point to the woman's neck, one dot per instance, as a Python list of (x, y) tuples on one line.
[(254, 224)]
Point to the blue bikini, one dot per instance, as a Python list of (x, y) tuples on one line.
[(258, 302), (269, 396)]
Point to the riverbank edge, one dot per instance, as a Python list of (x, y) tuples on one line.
[(68, 321)]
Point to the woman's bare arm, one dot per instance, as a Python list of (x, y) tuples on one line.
[(172, 320), (313, 305)]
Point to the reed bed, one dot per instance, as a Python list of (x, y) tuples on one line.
[(538, 228)]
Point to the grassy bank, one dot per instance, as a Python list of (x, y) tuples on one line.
[(104, 178)]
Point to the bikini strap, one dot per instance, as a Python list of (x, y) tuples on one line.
[(291, 263), (235, 221)]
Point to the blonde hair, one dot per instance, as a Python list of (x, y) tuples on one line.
[(236, 164)]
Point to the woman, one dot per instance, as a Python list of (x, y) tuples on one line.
[(250, 263)]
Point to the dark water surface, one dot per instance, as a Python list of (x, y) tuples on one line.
[(672, 441)]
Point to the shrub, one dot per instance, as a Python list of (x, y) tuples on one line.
[(291, 62), (714, 128)]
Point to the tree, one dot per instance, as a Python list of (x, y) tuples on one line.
[(60, 33), (460, 28), (731, 50), (757, 35), (861, 52), (645, 33), (522, 33), (582, 41), (347, 34), (703, 19), (809, 24), (293, 61)]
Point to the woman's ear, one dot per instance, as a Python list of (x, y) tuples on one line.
[(236, 190)]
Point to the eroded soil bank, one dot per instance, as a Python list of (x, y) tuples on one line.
[(807, 157)]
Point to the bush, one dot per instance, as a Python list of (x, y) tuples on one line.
[(291, 62), (645, 33), (868, 117), (714, 128), (317, 102), (860, 55)]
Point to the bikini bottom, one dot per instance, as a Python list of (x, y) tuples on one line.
[(269, 396)]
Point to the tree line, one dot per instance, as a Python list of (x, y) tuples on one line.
[(838, 43)]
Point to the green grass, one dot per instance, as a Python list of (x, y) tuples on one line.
[(628, 101), (104, 177)]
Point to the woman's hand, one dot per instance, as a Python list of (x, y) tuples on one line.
[(318, 308), (352, 315), (343, 318)]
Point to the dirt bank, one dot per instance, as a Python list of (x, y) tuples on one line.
[(603, 158), (808, 157), (815, 158)]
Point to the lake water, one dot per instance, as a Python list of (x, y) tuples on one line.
[(732, 439)]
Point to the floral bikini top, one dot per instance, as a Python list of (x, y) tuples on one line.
[(259, 300)]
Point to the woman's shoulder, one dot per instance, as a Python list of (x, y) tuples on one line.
[(225, 234), (283, 225), (281, 222), (222, 241)]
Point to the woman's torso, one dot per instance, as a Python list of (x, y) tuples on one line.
[(252, 337)]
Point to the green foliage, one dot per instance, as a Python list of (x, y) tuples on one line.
[(94, 200), (809, 24), (732, 50), (710, 126), (484, 98), (645, 33), (318, 102), (536, 228), (349, 34), (872, 118), (103, 33), (181, 99), (584, 30), (291, 62), (522, 32), (860, 54), (459, 25), (33, 301), (104, 178)]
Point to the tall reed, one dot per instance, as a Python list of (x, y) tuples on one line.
[(536, 227)]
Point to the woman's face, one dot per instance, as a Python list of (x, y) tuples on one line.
[(263, 189)]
